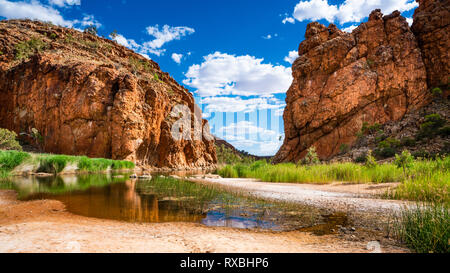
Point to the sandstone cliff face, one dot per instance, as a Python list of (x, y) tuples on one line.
[(341, 80), (432, 29), (90, 96)]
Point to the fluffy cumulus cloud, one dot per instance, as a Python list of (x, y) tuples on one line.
[(161, 37), (245, 135), (164, 35), (88, 20), (349, 11), (177, 57), (225, 74), (291, 57), (32, 10), (36, 10), (65, 3), (239, 104)]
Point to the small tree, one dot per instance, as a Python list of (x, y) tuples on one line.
[(311, 157), (404, 161), (91, 30), (371, 162), (8, 140), (113, 34)]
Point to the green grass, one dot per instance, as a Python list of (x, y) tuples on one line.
[(54, 163), (321, 173), (425, 180), (11, 159), (425, 229), (48, 163)]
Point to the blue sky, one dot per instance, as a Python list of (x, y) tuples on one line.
[(234, 55)]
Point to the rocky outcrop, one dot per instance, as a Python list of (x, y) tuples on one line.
[(342, 80), (90, 96), (432, 29)]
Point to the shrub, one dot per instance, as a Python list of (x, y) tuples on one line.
[(445, 131), (91, 30), (404, 161), (344, 148), (311, 157), (431, 126), (387, 148), (437, 92), (361, 158), (425, 229), (370, 161), (8, 140), (408, 142), (25, 49)]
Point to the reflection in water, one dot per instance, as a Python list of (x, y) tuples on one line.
[(112, 196)]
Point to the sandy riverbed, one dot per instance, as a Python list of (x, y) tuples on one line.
[(362, 198), (45, 226)]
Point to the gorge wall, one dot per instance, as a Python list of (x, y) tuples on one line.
[(90, 96), (377, 73)]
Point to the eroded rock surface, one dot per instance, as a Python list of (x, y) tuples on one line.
[(90, 96), (375, 74), (432, 29)]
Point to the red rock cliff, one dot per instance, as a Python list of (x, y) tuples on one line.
[(90, 96), (341, 80), (432, 29)]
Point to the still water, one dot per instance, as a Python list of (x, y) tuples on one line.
[(116, 197)]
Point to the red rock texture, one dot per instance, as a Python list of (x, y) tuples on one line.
[(432, 29), (341, 80), (87, 96)]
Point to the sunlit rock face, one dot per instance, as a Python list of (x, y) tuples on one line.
[(375, 74), (90, 96), (432, 29)]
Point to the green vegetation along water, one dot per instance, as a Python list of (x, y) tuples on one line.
[(162, 199), (19, 161), (422, 180)]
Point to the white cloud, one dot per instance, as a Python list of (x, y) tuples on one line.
[(239, 104), (88, 20), (32, 10), (65, 3), (237, 130), (349, 28), (315, 10), (245, 135), (410, 21), (349, 11), (224, 74), (177, 57), (270, 36), (35, 10), (162, 37), (288, 20), (293, 55)]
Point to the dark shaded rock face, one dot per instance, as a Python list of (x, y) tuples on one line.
[(432, 29), (90, 96), (341, 80)]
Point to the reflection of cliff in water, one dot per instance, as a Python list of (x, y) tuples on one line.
[(121, 202)]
